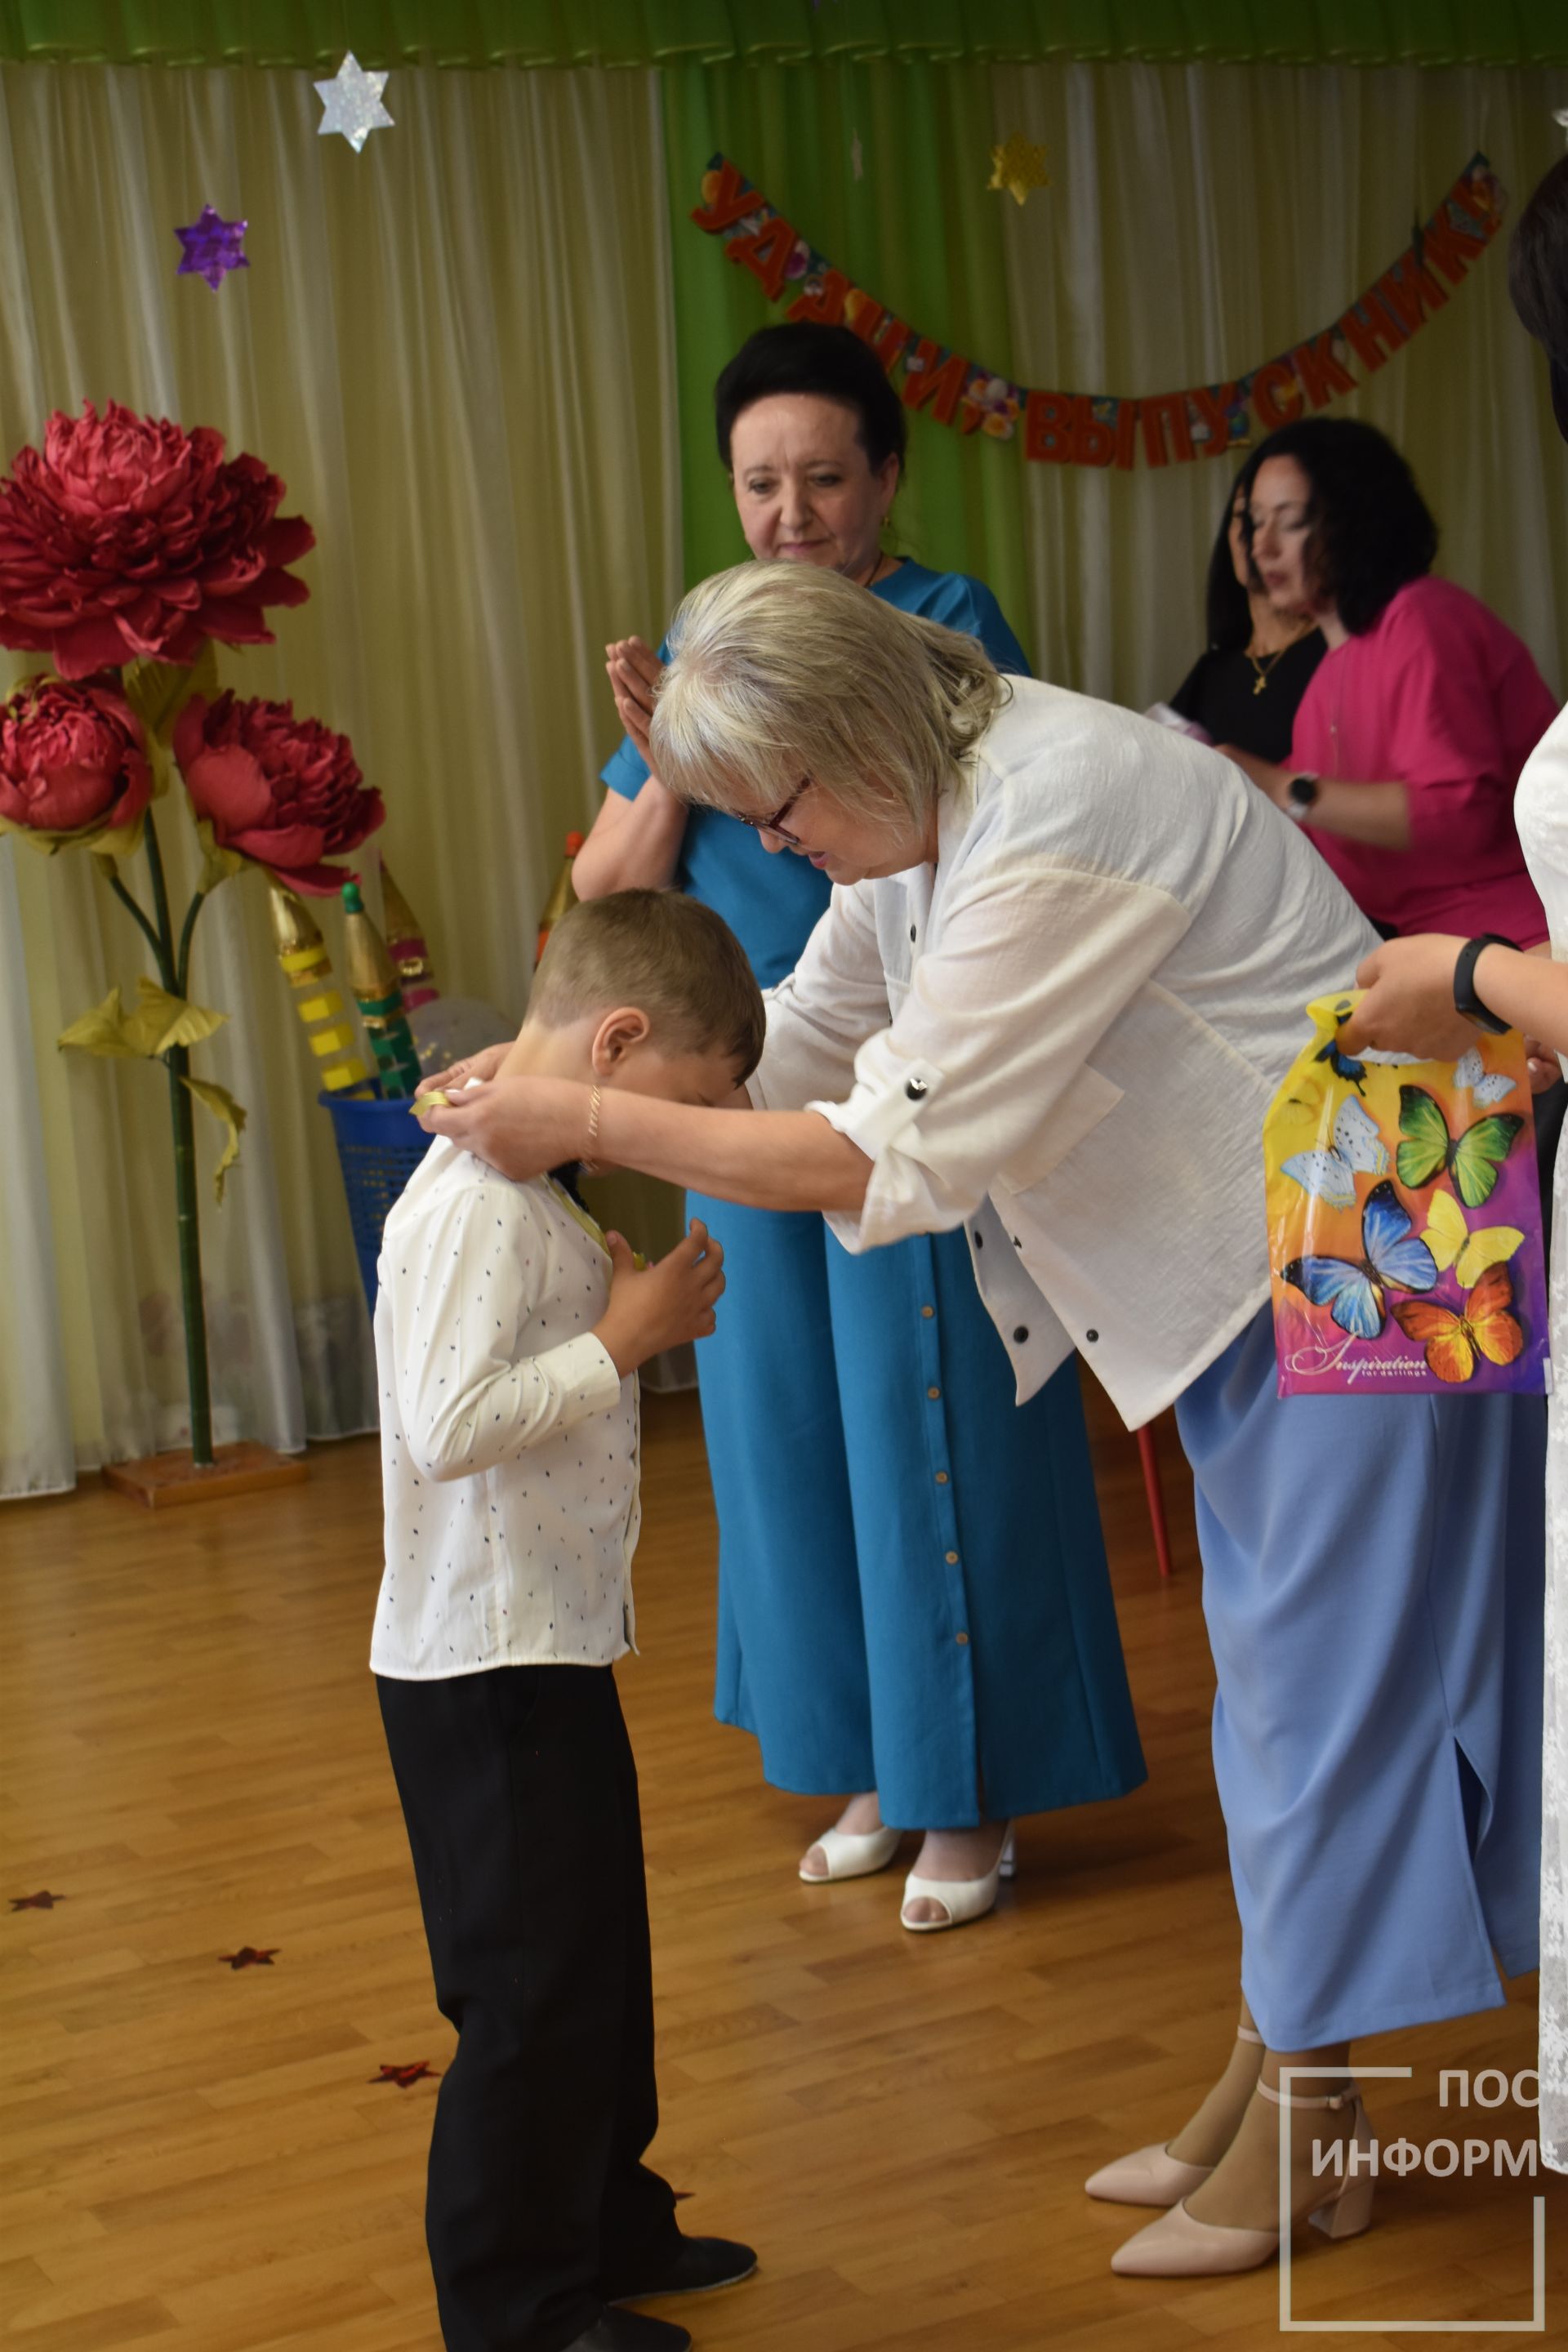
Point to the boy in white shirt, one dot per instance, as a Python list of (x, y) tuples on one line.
[(508, 1333)]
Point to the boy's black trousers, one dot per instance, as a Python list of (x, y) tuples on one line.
[(520, 1796)]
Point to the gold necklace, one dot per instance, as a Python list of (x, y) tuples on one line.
[(1264, 668)]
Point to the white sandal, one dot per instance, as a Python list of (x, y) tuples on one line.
[(1153, 2176), (963, 1899), (1178, 2246), (851, 1855)]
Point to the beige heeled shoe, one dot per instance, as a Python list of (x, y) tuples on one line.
[(963, 1899), (849, 1854), (1178, 2246), (1153, 2176)]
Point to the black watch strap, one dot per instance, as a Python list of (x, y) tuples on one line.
[(1466, 1001)]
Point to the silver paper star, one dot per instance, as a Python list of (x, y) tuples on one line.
[(353, 101), (1561, 118)]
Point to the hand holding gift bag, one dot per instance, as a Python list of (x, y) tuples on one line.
[(1405, 1238)]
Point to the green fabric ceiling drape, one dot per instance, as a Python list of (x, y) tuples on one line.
[(757, 32)]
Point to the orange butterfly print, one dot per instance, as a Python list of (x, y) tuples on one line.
[(1484, 1326)]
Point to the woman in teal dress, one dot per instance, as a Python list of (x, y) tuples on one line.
[(914, 1602)]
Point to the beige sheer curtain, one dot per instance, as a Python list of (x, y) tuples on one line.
[(455, 349), (1204, 218)]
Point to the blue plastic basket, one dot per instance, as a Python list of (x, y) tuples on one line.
[(379, 1145)]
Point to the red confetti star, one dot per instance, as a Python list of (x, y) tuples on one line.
[(405, 2075), (247, 1957), (41, 1902)]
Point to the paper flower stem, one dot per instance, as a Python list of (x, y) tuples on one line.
[(124, 894), (181, 1113), (183, 963)]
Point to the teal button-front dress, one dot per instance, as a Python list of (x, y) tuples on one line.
[(912, 1587)]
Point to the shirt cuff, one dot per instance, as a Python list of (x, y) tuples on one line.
[(585, 1372), (903, 1195)]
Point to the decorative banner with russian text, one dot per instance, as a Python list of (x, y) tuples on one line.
[(1095, 428)]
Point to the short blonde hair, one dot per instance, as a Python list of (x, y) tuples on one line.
[(780, 671), (671, 956)]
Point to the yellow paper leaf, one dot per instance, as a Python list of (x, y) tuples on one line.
[(223, 1107), (102, 1031), (161, 1020)]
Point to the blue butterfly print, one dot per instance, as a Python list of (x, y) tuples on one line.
[(1393, 1258)]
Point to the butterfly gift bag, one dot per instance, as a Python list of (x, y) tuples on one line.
[(1404, 1220)]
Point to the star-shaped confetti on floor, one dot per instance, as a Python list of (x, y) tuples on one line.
[(247, 1957), (353, 101), (1018, 166), (212, 247), (404, 2076), (43, 1901)]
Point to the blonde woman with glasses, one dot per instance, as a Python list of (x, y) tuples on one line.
[(1059, 980)]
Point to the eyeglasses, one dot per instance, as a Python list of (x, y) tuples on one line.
[(775, 824)]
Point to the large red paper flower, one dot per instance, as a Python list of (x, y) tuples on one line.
[(285, 792), (73, 764), (126, 536)]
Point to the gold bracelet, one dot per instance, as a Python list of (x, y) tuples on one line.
[(589, 1166)]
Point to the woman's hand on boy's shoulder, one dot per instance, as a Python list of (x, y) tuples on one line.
[(661, 1305)]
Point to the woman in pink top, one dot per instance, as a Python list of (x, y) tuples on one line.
[(1410, 737)]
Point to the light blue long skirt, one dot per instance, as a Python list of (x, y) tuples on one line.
[(1372, 1581), (912, 1587)]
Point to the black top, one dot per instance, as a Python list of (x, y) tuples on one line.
[(1220, 694)]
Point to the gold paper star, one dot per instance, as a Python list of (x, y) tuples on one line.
[(1019, 167)]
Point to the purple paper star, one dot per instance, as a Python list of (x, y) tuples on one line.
[(212, 247)]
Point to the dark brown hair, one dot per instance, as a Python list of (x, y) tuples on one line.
[(671, 956), (1538, 278), (1372, 530)]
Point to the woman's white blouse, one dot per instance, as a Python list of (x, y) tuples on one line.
[(1065, 1035)]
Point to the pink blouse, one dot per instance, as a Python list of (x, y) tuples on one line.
[(1438, 695)]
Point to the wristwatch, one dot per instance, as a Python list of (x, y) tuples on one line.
[(1300, 797), (1466, 1001)]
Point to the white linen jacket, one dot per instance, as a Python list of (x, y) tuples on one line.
[(1064, 1036)]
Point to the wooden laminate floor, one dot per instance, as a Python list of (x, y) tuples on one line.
[(200, 2158)]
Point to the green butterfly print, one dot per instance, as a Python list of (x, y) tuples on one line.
[(1472, 1159)]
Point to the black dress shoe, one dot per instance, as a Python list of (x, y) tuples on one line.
[(694, 2266), (631, 2331)]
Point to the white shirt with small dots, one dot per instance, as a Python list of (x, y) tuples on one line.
[(510, 1444)]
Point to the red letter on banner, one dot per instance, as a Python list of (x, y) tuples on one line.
[(1061, 428), (1404, 295), (1049, 427), (1322, 370), (732, 200), (1366, 326), (941, 385), (766, 254), (1451, 247), (1094, 444), (1213, 410), (1275, 377), (888, 342), (825, 309), (1166, 408)]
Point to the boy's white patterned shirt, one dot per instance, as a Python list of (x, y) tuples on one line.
[(509, 1442)]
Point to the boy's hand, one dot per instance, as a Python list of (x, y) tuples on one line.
[(665, 1304)]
